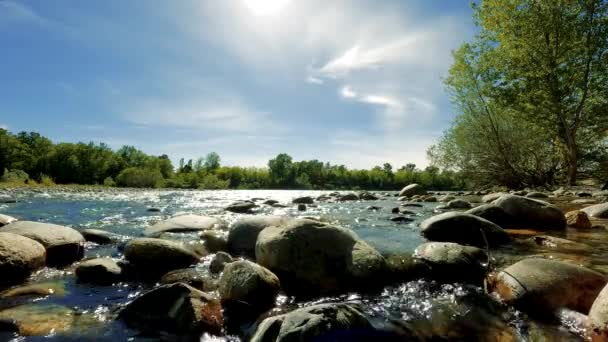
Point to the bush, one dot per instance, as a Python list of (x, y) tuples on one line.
[(46, 180), (109, 181), (15, 176), (211, 182), (136, 177)]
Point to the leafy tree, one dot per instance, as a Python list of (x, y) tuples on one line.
[(212, 161)]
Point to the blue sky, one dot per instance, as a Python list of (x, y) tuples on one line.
[(350, 82)]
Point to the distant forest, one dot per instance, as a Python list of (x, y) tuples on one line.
[(30, 158)]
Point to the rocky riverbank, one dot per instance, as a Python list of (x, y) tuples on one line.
[(235, 272)]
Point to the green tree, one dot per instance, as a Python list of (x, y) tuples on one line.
[(212, 162), (281, 170)]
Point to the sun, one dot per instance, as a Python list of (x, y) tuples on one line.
[(266, 7)]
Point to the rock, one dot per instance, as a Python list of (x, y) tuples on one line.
[(492, 197), (270, 202), (100, 236), (321, 322), (404, 268), (578, 219), (244, 282), (348, 197), (464, 229), (368, 196), (44, 319), (559, 192), (191, 277), (584, 194), (597, 211), (520, 193), (602, 193), (153, 210), (243, 207), (376, 208), (541, 286), (5, 219), (177, 309), (214, 241), (19, 257), (311, 257), (492, 213), (103, 271), (451, 262), (63, 245), (536, 194), (583, 201), (244, 233), (459, 204), (411, 190), (395, 210), (54, 288), (415, 205), (529, 213), (303, 200), (158, 256), (401, 219), (446, 198), (559, 243), (301, 207), (430, 199), (183, 224), (598, 317), (219, 261)]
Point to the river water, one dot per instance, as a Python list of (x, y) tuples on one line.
[(76, 312)]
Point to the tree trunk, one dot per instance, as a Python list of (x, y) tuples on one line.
[(572, 159)]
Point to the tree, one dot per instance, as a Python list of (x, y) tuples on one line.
[(212, 162), (281, 170), (550, 59)]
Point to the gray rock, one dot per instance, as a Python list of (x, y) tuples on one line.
[(270, 202), (446, 198), (214, 241), (492, 197), (401, 219), (464, 229), (459, 204), (243, 207), (303, 200), (311, 257), (597, 211), (177, 309), (63, 245), (244, 233), (411, 190), (183, 224), (451, 262), (191, 277), (158, 256), (103, 271), (348, 197), (321, 322), (541, 286), (598, 316), (368, 196), (584, 201), (493, 214), (219, 261), (19, 257), (529, 213), (536, 194), (246, 282), (100, 236), (5, 219), (302, 207)]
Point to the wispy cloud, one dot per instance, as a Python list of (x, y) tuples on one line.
[(3, 126), (347, 92), (12, 11), (314, 80)]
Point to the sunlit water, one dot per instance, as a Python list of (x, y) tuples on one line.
[(429, 309)]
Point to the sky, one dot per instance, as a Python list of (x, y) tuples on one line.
[(355, 82)]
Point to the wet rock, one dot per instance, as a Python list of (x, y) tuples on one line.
[(446, 198), (244, 233), (401, 219), (541, 286), (176, 309), (368, 196), (278, 205), (5, 219), (395, 210), (244, 282), (560, 244), (463, 228), (584, 194), (520, 193), (602, 193), (270, 202), (191, 277), (55, 288), (183, 224), (45, 319), (411, 190), (584, 201), (492, 213), (19, 257), (219, 261), (451, 262), (214, 241), (531, 213), (303, 200), (63, 245), (301, 207), (153, 210), (536, 194), (103, 271), (459, 204), (492, 197), (404, 268), (376, 208), (321, 322), (158, 256), (598, 317), (559, 192), (430, 199), (578, 219), (415, 205), (243, 207), (348, 197), (100, 236), (598, 210), (311, 257)]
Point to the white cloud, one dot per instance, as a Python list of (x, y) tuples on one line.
[(314, 80), (347, 92)]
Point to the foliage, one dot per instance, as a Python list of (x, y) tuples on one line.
[(137, 177), (15, 176)]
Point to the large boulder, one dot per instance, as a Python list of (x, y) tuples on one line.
[(103, 271), (578, 219), (5, 219), (411, 190), (100, 236), (190, 276), (219, 261), (451, 262), (321, 322), (158, 256), (597, 211), (244, 233), (598, 317), (312, 257), (464, 229), (183, 224), (19, 256), (532, 214), (176, 309), (492, 197), (458, 204), (491, 213), (541, 285), (244, 282), (63, 245)]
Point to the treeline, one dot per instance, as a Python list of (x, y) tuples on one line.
[(531, 95), (30, 157)]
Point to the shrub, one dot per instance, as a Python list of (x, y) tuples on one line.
[(136, 177), (46, 180), (15, 176), (109, 181)]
